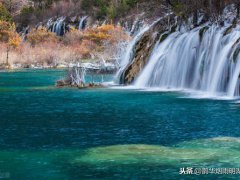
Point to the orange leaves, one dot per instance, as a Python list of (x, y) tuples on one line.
[(7, 26), (95, 40), (8, 34), (41, 35), (96, 37), (106, 28), (102, 38), (105, 33), (15, 41)]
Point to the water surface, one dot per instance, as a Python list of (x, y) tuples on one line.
[(67, 133)]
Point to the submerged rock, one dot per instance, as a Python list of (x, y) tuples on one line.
[(202, 152)]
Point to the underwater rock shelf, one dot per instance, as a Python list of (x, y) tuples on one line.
[(63, 83)]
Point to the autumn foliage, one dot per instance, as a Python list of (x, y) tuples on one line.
[(95, 40), (41, 35), (8, 34), (104, 33), (44, 47)]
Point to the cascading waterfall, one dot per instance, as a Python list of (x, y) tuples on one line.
[(82, 23), (205, 58), (125, 60), (137, 24), (128, 55), (235, 83), (59, 26)]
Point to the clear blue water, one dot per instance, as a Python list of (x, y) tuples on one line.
[(67, 133)]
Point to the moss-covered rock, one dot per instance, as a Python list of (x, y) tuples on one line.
[(229, 29), (202, 31), (199, 152), (236, 50), (236, 53), (164, 36)]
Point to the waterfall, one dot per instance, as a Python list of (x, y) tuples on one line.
[(58, 26), (82, 23), (137, 24), (126, 59), (205, 58), (234, 83)]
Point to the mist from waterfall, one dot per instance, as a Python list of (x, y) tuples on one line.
[(205, 58)]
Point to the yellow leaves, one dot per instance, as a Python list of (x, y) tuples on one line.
[(41, 35), (103, 33), (95, 40), (7, 26), (8, 34), (95, 36), (106, 28), (14, 41)]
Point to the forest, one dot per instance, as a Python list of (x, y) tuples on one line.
[(17, 16)]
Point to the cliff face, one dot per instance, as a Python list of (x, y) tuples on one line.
[(197, 55), (32, 14), (144, 47), (160, 31)]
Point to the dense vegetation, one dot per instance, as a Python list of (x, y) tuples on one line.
[(93, 42), (212, 9), (4, 14), (34, 11), (41, 46)]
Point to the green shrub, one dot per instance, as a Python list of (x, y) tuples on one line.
[(4, 14), (26, 14), (112, 12), (27, 10), (131, 3), (103, 12)]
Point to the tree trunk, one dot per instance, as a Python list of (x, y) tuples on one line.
[(7, 62)]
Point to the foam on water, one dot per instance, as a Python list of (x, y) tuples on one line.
[(204, 59)]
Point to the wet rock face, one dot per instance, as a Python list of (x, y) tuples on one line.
[(143, 49)]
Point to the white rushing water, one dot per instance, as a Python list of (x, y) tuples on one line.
[(128, 55), (59, 26), (209, 63), (82, 23), (125, 60)]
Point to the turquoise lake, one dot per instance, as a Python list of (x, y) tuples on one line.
[(67, 133)]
